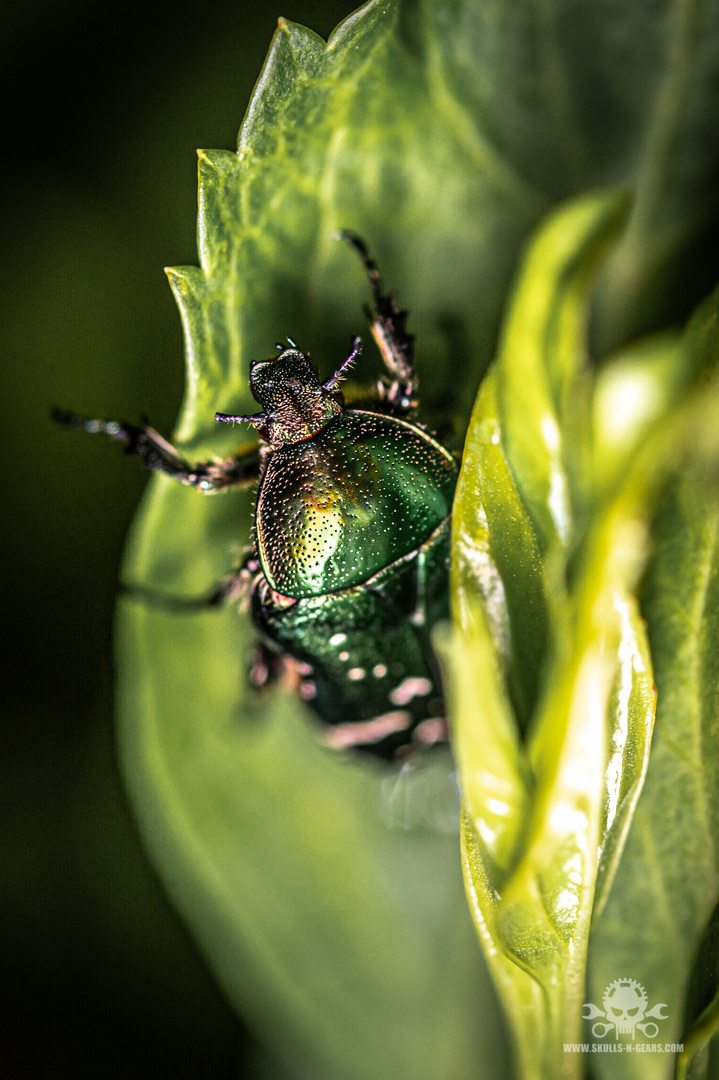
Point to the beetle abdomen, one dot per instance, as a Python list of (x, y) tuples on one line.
[(337, 508), (369, 670)]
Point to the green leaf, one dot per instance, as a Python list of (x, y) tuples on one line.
[(541, 355), (440, 131), (306, 904), (666, 888), (330, 931), (667, 884), (564, 800), (673, 177), (703, 1006), (549, 641)]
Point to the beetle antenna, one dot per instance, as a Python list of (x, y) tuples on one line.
[(340, 373), (227, 418)]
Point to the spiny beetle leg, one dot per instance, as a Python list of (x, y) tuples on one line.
[(242, 469), (235, 587), (388, 325), (238, 585)]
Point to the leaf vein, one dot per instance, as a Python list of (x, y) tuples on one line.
[(496, 170)]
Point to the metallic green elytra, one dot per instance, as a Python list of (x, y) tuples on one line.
[(335, 509), (348, 570)]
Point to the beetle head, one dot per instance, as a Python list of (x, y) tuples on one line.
[(290, 377), (295, 404)]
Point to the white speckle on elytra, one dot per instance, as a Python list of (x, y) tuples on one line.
[(369, 731), (308, 690), (409, 688)]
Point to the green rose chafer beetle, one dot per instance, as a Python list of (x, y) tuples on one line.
[(348, 570)]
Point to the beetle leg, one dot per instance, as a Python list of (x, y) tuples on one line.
[(242, 469), (266, 667), (388, 326), (236, 587)]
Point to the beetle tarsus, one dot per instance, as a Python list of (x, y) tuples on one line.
[(242, 469)]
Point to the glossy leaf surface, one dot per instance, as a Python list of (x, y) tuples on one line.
[(550, 642), (667, 885)]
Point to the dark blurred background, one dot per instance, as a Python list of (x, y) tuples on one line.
[(103, 107)]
